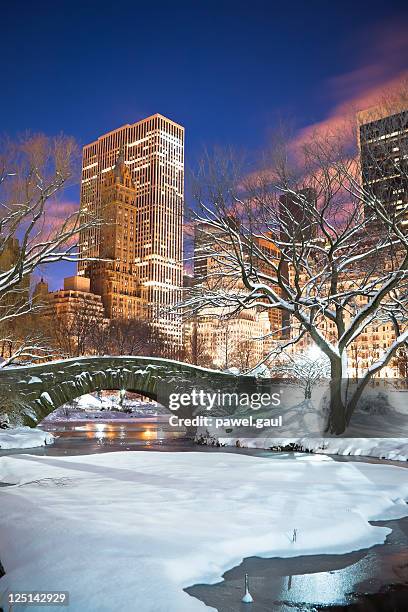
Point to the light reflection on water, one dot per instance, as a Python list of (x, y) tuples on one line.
[(314, 583), (84, 437)]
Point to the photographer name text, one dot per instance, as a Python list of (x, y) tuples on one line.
[(218, 422)]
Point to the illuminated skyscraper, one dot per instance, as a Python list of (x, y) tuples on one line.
[(383, 144), (115, 277), (153, 152)]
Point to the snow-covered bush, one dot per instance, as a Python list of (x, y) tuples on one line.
[(374, 404), (307, 369)]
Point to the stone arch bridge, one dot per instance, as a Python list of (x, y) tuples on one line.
[(35, 391)]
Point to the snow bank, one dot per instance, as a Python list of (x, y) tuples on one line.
[(380, 418), (125, 531), (88, 401), (91, 402), (381, 448), (24, 437)]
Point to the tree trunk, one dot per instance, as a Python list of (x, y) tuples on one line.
[(336, 423)]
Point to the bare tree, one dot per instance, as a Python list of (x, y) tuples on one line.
[(198, 352), (32, 348), (129, 337), (73, 333), (338, 257), (23, 340), (306, 368), (33, 172), (245, 356)]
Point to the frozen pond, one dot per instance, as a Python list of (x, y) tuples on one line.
[(312, 583), (351, 581)]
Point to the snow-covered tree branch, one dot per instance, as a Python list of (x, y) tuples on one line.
[(322, 239), (33, 231)]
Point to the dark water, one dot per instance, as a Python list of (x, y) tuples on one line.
[(359, 581), (97, 436), (372, 580)]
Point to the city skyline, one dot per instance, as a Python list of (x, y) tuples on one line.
[(132, 178), (236, 91)]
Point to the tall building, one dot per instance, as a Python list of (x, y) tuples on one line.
[(383, 144), (70, 317), (14, 301), (76, 299), (153, 151), (218, 335), (116, 277), (211, 260), (295, 215), (296, 225)]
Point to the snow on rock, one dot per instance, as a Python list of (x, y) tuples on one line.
[(24, 437), (91, 402), (151, 524), (47, 398)]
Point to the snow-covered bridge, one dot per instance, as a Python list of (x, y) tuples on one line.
[(37, 390)]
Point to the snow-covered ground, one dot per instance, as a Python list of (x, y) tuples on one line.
[(124, 531), (24, 437)]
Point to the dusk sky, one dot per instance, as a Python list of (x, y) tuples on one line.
[(227, 71)]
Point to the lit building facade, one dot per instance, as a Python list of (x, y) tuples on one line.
[(71, 318), (228, 341), (368, 347), (153, 151), (74, 301), (383, 145), (272, 256), (115, 276), (219, 336)]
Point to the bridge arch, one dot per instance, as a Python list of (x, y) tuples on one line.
[(36, 391)]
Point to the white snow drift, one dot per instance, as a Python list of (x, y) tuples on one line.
[(24, 437), (125, 531), (395, 449)]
